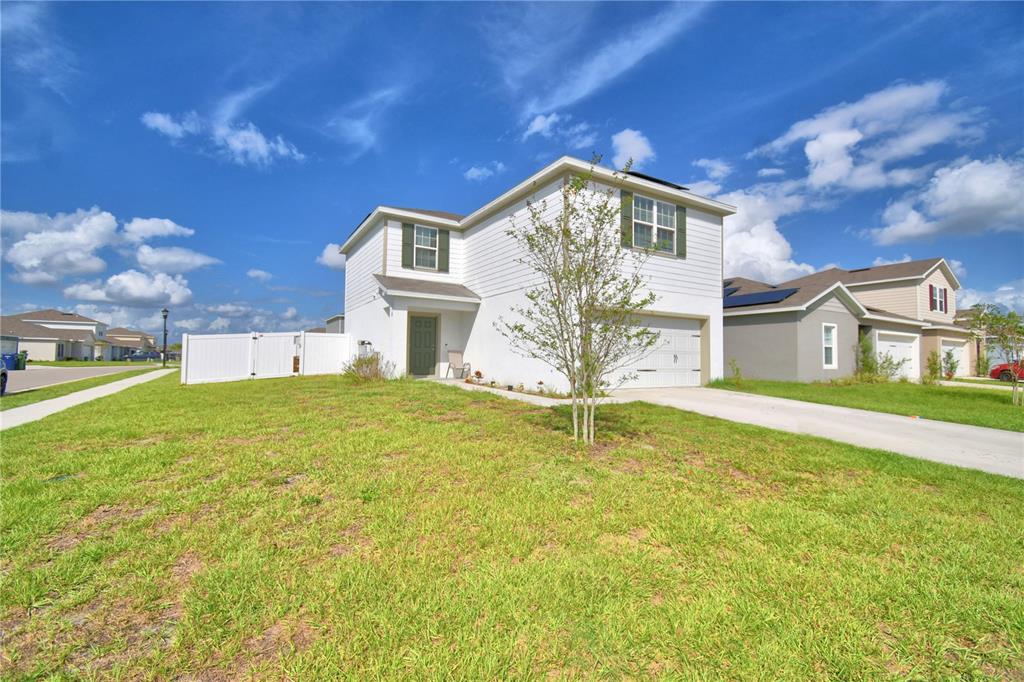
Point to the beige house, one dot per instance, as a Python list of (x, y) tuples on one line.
[(807, 329), (123, 342), (91, 333), (46, 343)]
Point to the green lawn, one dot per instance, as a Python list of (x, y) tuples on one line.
[(310, 528), (980, 407), (35, 395)]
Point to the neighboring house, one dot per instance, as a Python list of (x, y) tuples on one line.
[(336, 324), (807, 329), (8, 343), (123, 342), (317, 330), (98, 347), (420, 283), (46, 343)]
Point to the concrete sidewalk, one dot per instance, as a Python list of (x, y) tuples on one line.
[(977, 384), (30, 413), (972, 447)]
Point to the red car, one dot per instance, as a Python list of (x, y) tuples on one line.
[(1002, 372)]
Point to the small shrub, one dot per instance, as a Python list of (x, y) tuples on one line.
[(737, 375), (888, 367), (949, 365), (983, 364), (934, 368), (370, 368), (867, 361)]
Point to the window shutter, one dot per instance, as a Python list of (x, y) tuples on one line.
[(945, 299), (407, 238), (442, 250), (931, 297), (626, 228), (681, 231)]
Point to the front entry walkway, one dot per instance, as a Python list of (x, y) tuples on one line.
[(973, 447)]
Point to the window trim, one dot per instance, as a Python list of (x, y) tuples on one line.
[(671, 251), (835, 336), (435, 248), (939, 298)]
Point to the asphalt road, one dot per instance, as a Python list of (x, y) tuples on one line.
[(38, 377)]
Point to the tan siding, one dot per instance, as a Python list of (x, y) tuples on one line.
[(938, 279), (895, 297)]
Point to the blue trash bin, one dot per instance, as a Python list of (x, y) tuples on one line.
[(10, 361)]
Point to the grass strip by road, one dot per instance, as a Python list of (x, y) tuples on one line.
[(35, 395), (311, 528), (977, 407), (93, 363)]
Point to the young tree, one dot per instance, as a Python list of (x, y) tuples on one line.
[(581, 319), (1004, 332)]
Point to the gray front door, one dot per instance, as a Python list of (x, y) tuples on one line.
[(422, 345)]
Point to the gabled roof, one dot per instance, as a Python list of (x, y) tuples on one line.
[(421, 288), (912, 268), (11, 325), (53, 315), (317, 330), (559, 168), (743, 286), (123, 331)]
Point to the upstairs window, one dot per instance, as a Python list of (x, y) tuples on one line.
[(938, 296), (425, 255), (654, 224), (828, 346)]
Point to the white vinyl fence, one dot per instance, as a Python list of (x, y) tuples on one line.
[(208, 358)]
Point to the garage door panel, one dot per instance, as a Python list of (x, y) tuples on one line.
[(675, 359), (899, 347), (958, 348)]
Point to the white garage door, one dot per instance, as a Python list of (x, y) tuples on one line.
[(900, 347), (958, 354), (675, 359)]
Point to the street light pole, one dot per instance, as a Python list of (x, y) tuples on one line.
[(164, 357)]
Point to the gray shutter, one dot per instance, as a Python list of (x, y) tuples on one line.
[(626, 227), (442, 250), (681, 231), (407, 237)]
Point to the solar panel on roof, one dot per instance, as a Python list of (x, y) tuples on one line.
[(761, 297), (731, 290)]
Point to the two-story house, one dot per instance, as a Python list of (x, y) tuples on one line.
[(807, 329), (81, 338), (123, 342), (421, 283)]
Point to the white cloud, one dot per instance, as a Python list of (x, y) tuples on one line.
[(851, 145), (34, 47), (241, 142), (332, 257), (259, 275), (770, 172), (704, 187), (358, 124), (229, 309), (754, 245), (631, 144), (957, 267), (141, 229), (189, 124), (965, 197), (886, 261), (579, 135), (190, 325), (541, 125), (1010, 295), (485, 171), (219, 324), (52, 247), (119, 316), (290, 313), (717, 169), (172, 259), (564, 82), (135, 288)]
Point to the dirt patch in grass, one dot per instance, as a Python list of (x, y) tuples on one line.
[(634, 539), (91, 524), (352, 540)]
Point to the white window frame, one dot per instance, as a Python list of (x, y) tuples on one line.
[(835, 336), (939, 298), (416, 247), (655, 226)]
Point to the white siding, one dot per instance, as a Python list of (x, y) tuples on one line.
[(363, 261), (39, 350), (456, 257)]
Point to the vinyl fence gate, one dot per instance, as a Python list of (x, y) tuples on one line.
[(207, 358)]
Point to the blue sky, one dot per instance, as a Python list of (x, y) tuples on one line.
[(207, 156)]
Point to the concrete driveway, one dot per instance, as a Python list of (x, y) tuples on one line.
[(38, 377), (973, 447)]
